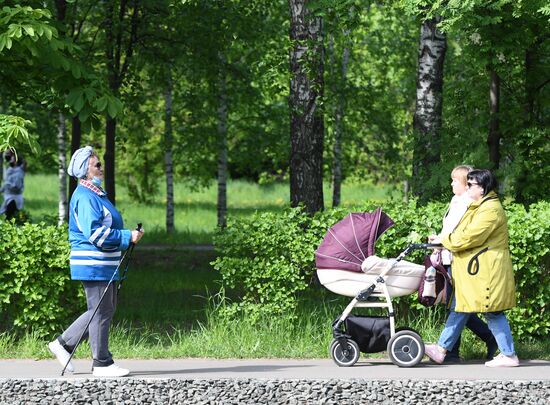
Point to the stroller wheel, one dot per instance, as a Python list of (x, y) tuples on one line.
[(344, 358), (406, 348)]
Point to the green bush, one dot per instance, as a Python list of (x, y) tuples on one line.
[(35, 288), (270, 258), (529, 236)]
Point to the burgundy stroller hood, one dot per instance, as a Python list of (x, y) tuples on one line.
[(350, 241)]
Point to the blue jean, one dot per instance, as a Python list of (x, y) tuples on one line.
[(476, 325), (497, 322)]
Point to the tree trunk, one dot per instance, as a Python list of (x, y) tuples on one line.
[(109, 158), (334, 105), (113, 63), (62, 172), (168, 166), (429, 103), (493, 138), (528, 116), (405, 191), (61, 9), (529, 107), (338, 130), (222, 150), (121, 37), (76, 136), (306, 117), (63, 213)]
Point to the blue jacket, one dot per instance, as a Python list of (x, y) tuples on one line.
[(96, 235)]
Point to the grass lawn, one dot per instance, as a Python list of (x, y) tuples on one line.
[(195, 211)]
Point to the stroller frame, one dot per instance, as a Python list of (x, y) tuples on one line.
[(405, 346)]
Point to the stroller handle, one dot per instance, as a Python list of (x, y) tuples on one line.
[(425, 245), (415, 246)]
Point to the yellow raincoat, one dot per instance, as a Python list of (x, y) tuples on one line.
[(483, 277)]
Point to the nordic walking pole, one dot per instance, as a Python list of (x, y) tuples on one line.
[(126, 268), (127, 253)]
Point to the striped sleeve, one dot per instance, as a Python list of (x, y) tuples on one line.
[(94, 221)]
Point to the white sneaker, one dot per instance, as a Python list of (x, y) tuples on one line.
[(503, 361), (110, 371), (61, 354)]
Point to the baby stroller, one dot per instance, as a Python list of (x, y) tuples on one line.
[(346, 265)]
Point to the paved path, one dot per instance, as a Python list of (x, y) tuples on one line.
[(379, 369)]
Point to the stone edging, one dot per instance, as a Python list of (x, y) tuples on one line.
[(256, 391)]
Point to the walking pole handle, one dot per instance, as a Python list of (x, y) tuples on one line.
[(130, 250), (138, 228), (132, 244)]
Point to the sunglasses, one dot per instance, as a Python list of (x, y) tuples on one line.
[(470, 184), (98, 165)]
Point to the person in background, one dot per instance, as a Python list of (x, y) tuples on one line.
[(13, 184), (98, 238), (457, 208), (482, 271)]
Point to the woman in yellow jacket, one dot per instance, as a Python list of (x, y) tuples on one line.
[(483, 278)]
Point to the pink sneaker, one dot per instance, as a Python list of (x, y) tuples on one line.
[(433, 353), (503, 361)]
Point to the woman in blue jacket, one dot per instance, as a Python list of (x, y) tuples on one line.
[(98, 238)]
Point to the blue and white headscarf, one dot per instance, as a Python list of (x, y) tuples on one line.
[(78, 166)]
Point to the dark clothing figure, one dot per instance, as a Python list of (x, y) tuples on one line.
[(13, 185)]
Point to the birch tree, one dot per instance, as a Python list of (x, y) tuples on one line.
[(305, 104), (429, 104), (63, 213)]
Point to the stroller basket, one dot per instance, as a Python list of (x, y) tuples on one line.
[(372, 333)]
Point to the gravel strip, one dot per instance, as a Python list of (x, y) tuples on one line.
[(254, 391)]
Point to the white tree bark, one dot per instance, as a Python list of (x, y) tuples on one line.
[(62, 169), (429, 103), (338, 129), (306, 117)]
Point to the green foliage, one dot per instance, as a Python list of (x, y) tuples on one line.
[(508, 38), (39, 65), (13, 131), (378, 91), (92, 99), (23, 24), (35, 289), (270, 257), (267, 256), (529, 236), (530, 168)]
